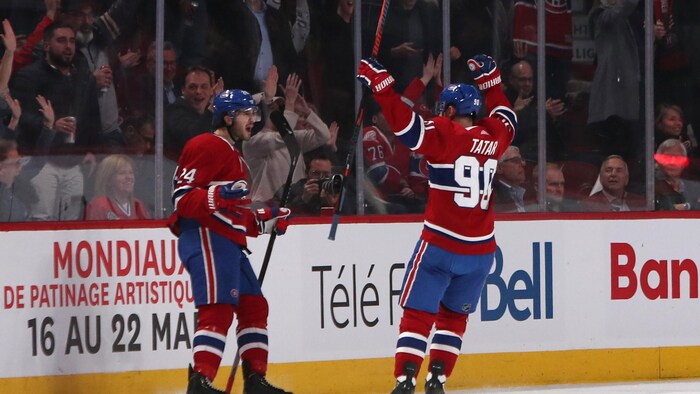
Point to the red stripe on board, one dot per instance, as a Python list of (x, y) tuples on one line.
[(357, 219)]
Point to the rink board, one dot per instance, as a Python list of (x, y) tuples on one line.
[(567, 301), (373, 375)]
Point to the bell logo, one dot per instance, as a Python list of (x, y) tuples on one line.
[(521, 286), (654, 277)]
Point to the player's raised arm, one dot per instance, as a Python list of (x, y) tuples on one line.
[(488, 78), (406, 124)]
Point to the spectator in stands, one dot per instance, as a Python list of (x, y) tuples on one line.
[(307, 197), (613, 196), (477, 27), (508, 184), (246, 39), (266, 153), (558, 49), (298, 12), (672, 191), (34, 163), (335, 57), (686, 15), (191, 114), (672, 67), (386, 165), (114, 192), (94, 40), (73, 93), (408, 37), (669, 123), (520, 93), (555, 198), (25, 54), (140, 135), (187, 27), (138, 84), (13, 207), (614, 104), (8, 109)]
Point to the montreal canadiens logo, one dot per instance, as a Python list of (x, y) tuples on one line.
[(234, 293)]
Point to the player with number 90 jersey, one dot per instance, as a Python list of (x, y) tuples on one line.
[(461, 166)]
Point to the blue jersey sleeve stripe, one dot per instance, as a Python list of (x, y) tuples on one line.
[(179, 193), (412, 135), (507, 116)]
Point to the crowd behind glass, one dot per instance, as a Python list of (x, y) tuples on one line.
[(82, 137)]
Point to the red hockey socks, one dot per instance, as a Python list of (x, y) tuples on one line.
[(447, 340), (213, 322), (413, 339), (252, 332)]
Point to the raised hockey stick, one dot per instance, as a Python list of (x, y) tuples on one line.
[(358, 125), (294, 150)]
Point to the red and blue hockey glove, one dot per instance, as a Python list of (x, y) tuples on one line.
[(484, 71), (374, 75), (269, 219), (229, 197)]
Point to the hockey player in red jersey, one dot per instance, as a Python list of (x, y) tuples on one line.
[(212, 220), (448, 268)]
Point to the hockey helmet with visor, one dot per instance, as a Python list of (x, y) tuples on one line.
[(230, 101)]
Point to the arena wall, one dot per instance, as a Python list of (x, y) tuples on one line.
[(87, 308)]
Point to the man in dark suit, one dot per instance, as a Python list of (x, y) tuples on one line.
[(508, 190), (614, 177)]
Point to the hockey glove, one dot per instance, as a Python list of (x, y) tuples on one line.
[(484, 71), (229, 197), (269, 219), (374, 75)]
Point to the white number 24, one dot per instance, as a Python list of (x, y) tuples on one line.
[(188, 175), (468, 174)]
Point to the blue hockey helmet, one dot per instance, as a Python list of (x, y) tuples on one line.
[(465, 98), (230, 101)]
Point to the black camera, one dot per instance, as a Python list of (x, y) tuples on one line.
[(331, 184)]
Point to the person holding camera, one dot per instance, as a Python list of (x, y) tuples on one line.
[(318, 191)]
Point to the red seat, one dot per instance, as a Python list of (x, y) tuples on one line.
[(579, 178)]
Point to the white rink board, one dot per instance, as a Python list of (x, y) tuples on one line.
[(331, 300)]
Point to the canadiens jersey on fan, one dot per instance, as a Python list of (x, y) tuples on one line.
[(209, 160), (379, 162), (461, 166)]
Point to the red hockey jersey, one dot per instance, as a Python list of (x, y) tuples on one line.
[(380, 163), (206, 161), (461, 166)]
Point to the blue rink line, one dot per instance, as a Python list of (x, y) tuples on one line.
[(655, 387)]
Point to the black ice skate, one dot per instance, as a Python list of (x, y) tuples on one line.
[(435, 381), (199, 384), (406, 384), (254, 383)]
